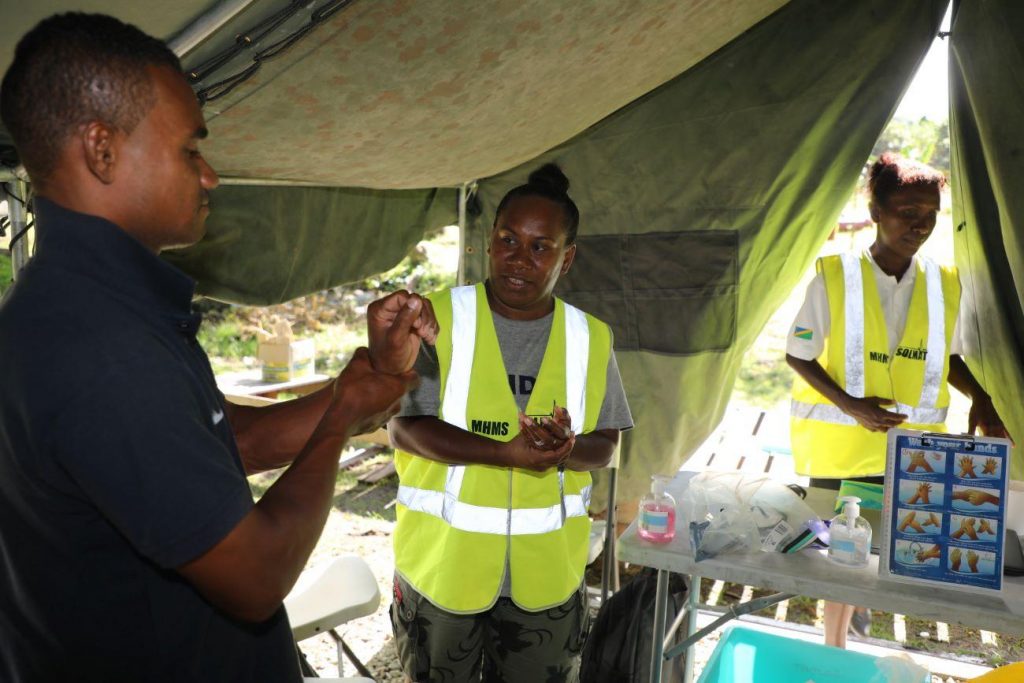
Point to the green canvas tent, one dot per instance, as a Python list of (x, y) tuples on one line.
[(710, 144)]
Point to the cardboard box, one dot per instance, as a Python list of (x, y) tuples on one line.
[(285, 362)]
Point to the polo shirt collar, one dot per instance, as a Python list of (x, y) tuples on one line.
[(890, 280), (102, 251)]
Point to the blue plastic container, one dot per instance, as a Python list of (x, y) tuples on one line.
[(744, 655)]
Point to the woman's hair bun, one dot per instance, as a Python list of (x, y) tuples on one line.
[(550, 176), (548, 182)]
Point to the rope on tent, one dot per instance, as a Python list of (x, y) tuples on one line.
[(6, 221), (253, 36), (15, 238)]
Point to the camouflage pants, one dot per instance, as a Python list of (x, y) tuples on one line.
[(502, 645)]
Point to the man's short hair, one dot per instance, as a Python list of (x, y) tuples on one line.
[(72, 69)]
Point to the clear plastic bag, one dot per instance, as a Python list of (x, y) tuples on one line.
[(726, 512)]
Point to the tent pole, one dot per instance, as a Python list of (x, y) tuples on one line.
[(463, 198), (205, 26), (269, 182), (17, 193)]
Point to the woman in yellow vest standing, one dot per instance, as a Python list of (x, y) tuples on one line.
[(874, 344), (519, 400)]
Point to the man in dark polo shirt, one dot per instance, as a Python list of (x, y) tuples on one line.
[(130, 548)]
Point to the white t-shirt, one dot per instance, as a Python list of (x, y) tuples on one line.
[(895, 295)]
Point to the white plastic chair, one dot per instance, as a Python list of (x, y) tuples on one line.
[(328, 596)]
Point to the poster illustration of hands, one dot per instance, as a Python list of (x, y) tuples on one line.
[(945, 504)]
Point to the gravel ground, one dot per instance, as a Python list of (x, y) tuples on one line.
[(370, 637)]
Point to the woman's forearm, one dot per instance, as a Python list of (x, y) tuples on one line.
[(435, 439), (593, 450)]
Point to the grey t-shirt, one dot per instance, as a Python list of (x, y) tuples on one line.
[(522, 344)]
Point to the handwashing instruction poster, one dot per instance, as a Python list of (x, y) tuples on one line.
[(945, 499)]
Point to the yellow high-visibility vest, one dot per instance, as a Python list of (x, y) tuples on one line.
[(456, 524), (826, 441)]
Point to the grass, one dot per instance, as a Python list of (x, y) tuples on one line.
[(6, 274), (226, 339), (231, 343), (334, 346), (763, 380), (802, 610)]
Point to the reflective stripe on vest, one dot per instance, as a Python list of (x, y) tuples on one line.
[(854, 279), (577, 355), (501, 520), (826, 412), (936, 358), (493, 520), (456, 393), (926, 411)]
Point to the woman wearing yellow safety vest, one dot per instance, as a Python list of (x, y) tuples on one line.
[(519, 400), (874, 344)]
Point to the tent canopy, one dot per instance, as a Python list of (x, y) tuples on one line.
[(393, 94), (711, 146)]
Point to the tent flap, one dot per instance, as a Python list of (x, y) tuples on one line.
[(988, 207), (265, 245), (760, 143)]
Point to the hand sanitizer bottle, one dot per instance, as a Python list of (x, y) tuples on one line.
[(657, 513), (850, 535)]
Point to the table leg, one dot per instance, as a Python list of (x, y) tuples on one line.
[(692, 602), (610, 566), (658, 632), (733, 612)]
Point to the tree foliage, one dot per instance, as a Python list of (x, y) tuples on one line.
[(922, 140)]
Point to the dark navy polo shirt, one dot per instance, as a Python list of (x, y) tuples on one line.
[(116, 466)]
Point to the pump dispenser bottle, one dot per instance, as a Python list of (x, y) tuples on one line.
[(657, 513), (850, 535)]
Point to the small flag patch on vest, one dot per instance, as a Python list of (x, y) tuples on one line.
[(803, 333)]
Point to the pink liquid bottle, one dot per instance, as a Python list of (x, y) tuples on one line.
[(657, 513)]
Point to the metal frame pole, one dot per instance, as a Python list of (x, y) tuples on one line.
[(460, 278), (692, 603), (610, 564), (658, 632), (734, 612), (206, 25), (17, 194)]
